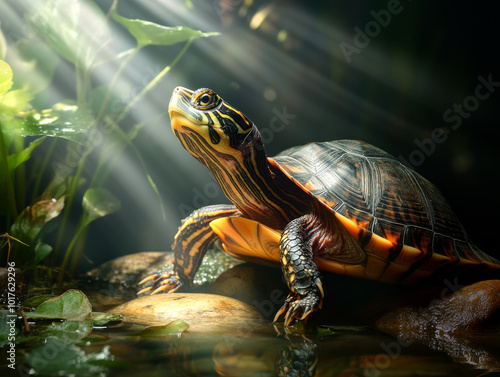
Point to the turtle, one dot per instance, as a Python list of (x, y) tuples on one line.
[(343, 207)]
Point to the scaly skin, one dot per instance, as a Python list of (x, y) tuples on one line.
[(300, 271), (191, 243)]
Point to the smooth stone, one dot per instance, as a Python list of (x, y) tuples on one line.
[(203, 312)]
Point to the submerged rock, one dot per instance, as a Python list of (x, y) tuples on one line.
[(203, 312)]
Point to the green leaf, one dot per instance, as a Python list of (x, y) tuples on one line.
[(71, 305), (149, 33), (35, 301), (16, 159), (5, 77), (66, 359), (101, 319), (98, 202), (15, 101), (173, 328), (75, 29), (65, 120)]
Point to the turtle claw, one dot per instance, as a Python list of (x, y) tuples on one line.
[(298, 307), (165, 280)]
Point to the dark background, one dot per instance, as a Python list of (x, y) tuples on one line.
[(394, 91)]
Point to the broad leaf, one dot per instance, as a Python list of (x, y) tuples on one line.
[(75, 29), (14, 102), (5, 77), (65, 120), (71, 305), (149, 33), (98, 202)]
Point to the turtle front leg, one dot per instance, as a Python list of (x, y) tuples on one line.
[(191, 243), (300, 270)]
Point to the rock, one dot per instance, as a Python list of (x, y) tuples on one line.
[(128, 270), (203, 312), (469, 310), (260, 286), (464, 324)]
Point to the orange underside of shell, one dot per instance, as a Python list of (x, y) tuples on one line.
[(251, 241)]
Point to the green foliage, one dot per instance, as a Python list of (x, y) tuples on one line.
[(72, 305), (174, 328), (5, 78), (60, 24), (148, 33), (78, 32), (66, 359)]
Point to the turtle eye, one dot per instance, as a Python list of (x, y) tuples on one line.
[(205, 99)]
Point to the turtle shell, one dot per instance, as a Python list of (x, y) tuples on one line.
[(407, 230), (399, 217)]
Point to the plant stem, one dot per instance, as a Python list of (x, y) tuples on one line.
[(76, 179), (113, 82), (38, 182), (20, 176), (67, 255), (11, 196)]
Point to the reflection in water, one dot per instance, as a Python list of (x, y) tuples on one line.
[(342, 352)]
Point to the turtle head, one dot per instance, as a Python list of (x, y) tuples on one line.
[(230, 146), (209, 128)]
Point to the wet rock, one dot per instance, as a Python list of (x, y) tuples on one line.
[(469, 310), (461, 324), (203, 312), (128, 270), (116, 281)]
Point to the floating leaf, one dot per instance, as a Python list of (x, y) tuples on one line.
[(72, 305), (150, 33), (176, 327), (101, 319), (98, 202), (5, 77), (66, 359)]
